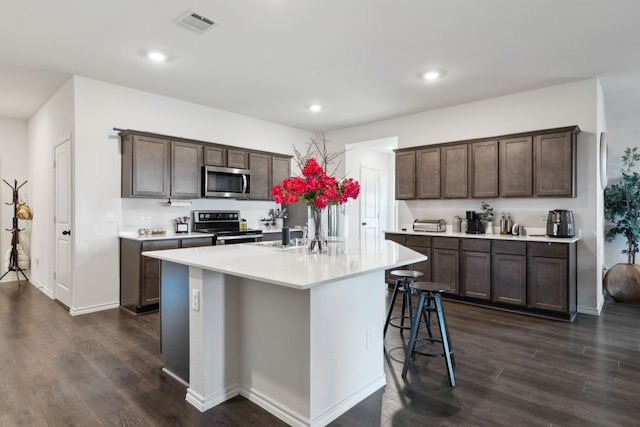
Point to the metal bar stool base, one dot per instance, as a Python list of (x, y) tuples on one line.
[(430, 292), (405, 278)]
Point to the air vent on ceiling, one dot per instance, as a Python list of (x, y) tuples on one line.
[(195, 22)]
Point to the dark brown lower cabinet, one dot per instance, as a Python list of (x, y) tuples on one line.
[(445, 267), (509, 273), (421, 244), (475, 268), (551, 285), (400, 239), (530, 277), (140, 275)]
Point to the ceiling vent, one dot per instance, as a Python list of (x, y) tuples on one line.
[(195, 22)]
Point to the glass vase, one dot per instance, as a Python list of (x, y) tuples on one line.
[(318, 239)]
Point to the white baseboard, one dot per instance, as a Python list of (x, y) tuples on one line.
[(93, 308), (590, 310), (287, 415), (297, 420), (203, 403), (343, 406)]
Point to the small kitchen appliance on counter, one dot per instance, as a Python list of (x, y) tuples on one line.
[(474, 223), (560, 223), (225, 225), (428, 225)]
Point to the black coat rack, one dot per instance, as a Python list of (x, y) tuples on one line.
[(13, 258)]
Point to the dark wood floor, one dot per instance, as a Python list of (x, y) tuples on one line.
[(512, 370)]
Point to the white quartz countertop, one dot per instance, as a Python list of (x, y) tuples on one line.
[(527, 238), (132, 235), (294, 267)]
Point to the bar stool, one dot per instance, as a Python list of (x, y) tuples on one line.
[(404, 279), (429, 301)]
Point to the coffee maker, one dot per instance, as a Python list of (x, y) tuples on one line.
[(474, 224)]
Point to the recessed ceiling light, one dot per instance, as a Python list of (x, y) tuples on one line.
[(432, 75), (156, 56), (315, 107)]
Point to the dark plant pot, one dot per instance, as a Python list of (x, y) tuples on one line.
[(622, 282)]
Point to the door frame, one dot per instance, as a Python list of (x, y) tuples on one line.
[(378, 201), (52, 274)]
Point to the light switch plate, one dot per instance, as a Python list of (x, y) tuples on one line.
[(195, 300)]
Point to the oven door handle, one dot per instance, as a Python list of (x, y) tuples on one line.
[(222, 239)]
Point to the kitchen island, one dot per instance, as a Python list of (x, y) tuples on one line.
[(299, 334)]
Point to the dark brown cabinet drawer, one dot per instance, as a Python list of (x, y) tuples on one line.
[(476, 245), (197, 241), (157, 245), (513, 248), (419, 241), (445, 243), (549, 250), (398, 238)]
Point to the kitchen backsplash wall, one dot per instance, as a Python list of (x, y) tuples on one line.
[(157, 215), (531, 213)]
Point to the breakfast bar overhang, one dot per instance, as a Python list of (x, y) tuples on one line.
[(297, 333)]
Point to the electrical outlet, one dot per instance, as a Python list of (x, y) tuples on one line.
[(543, 219), (195, 300), (110, 216), (145, 218), (369, 339)]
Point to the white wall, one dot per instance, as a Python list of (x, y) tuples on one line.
[(99, 107), (13, 166), (558, 106), (52, 124)]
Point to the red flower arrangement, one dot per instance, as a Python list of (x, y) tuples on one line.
[(315, 188)]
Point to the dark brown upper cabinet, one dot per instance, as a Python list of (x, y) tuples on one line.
[(186, 165), (483, 169), (454, 172), (237, 159), (260, 165), (554, 165), (405, 175), (529, 164), (215, 156), (516, 167), (280, 170), (145, 166), (428, 173)]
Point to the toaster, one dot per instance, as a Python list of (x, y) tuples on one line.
[(427, 225)]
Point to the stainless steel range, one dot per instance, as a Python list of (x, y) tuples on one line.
[(225, 225)]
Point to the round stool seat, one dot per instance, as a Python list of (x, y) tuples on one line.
[(407, 274), (430, 287)]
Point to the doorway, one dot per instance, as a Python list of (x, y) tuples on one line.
[(360, 159), (62, 277), (369, 203)]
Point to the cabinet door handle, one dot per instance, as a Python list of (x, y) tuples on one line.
[(364, 223), (66, 233)]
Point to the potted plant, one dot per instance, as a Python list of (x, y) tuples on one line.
[(622, 209), (487, 217)]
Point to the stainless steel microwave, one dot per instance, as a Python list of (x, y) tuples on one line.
[(226, 182)]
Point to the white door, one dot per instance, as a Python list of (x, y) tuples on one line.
[(63, 289), (369, 203)]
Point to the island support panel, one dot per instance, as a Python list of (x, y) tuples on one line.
[(306, 356)]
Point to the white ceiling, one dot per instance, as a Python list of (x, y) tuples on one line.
[(360, 58)]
